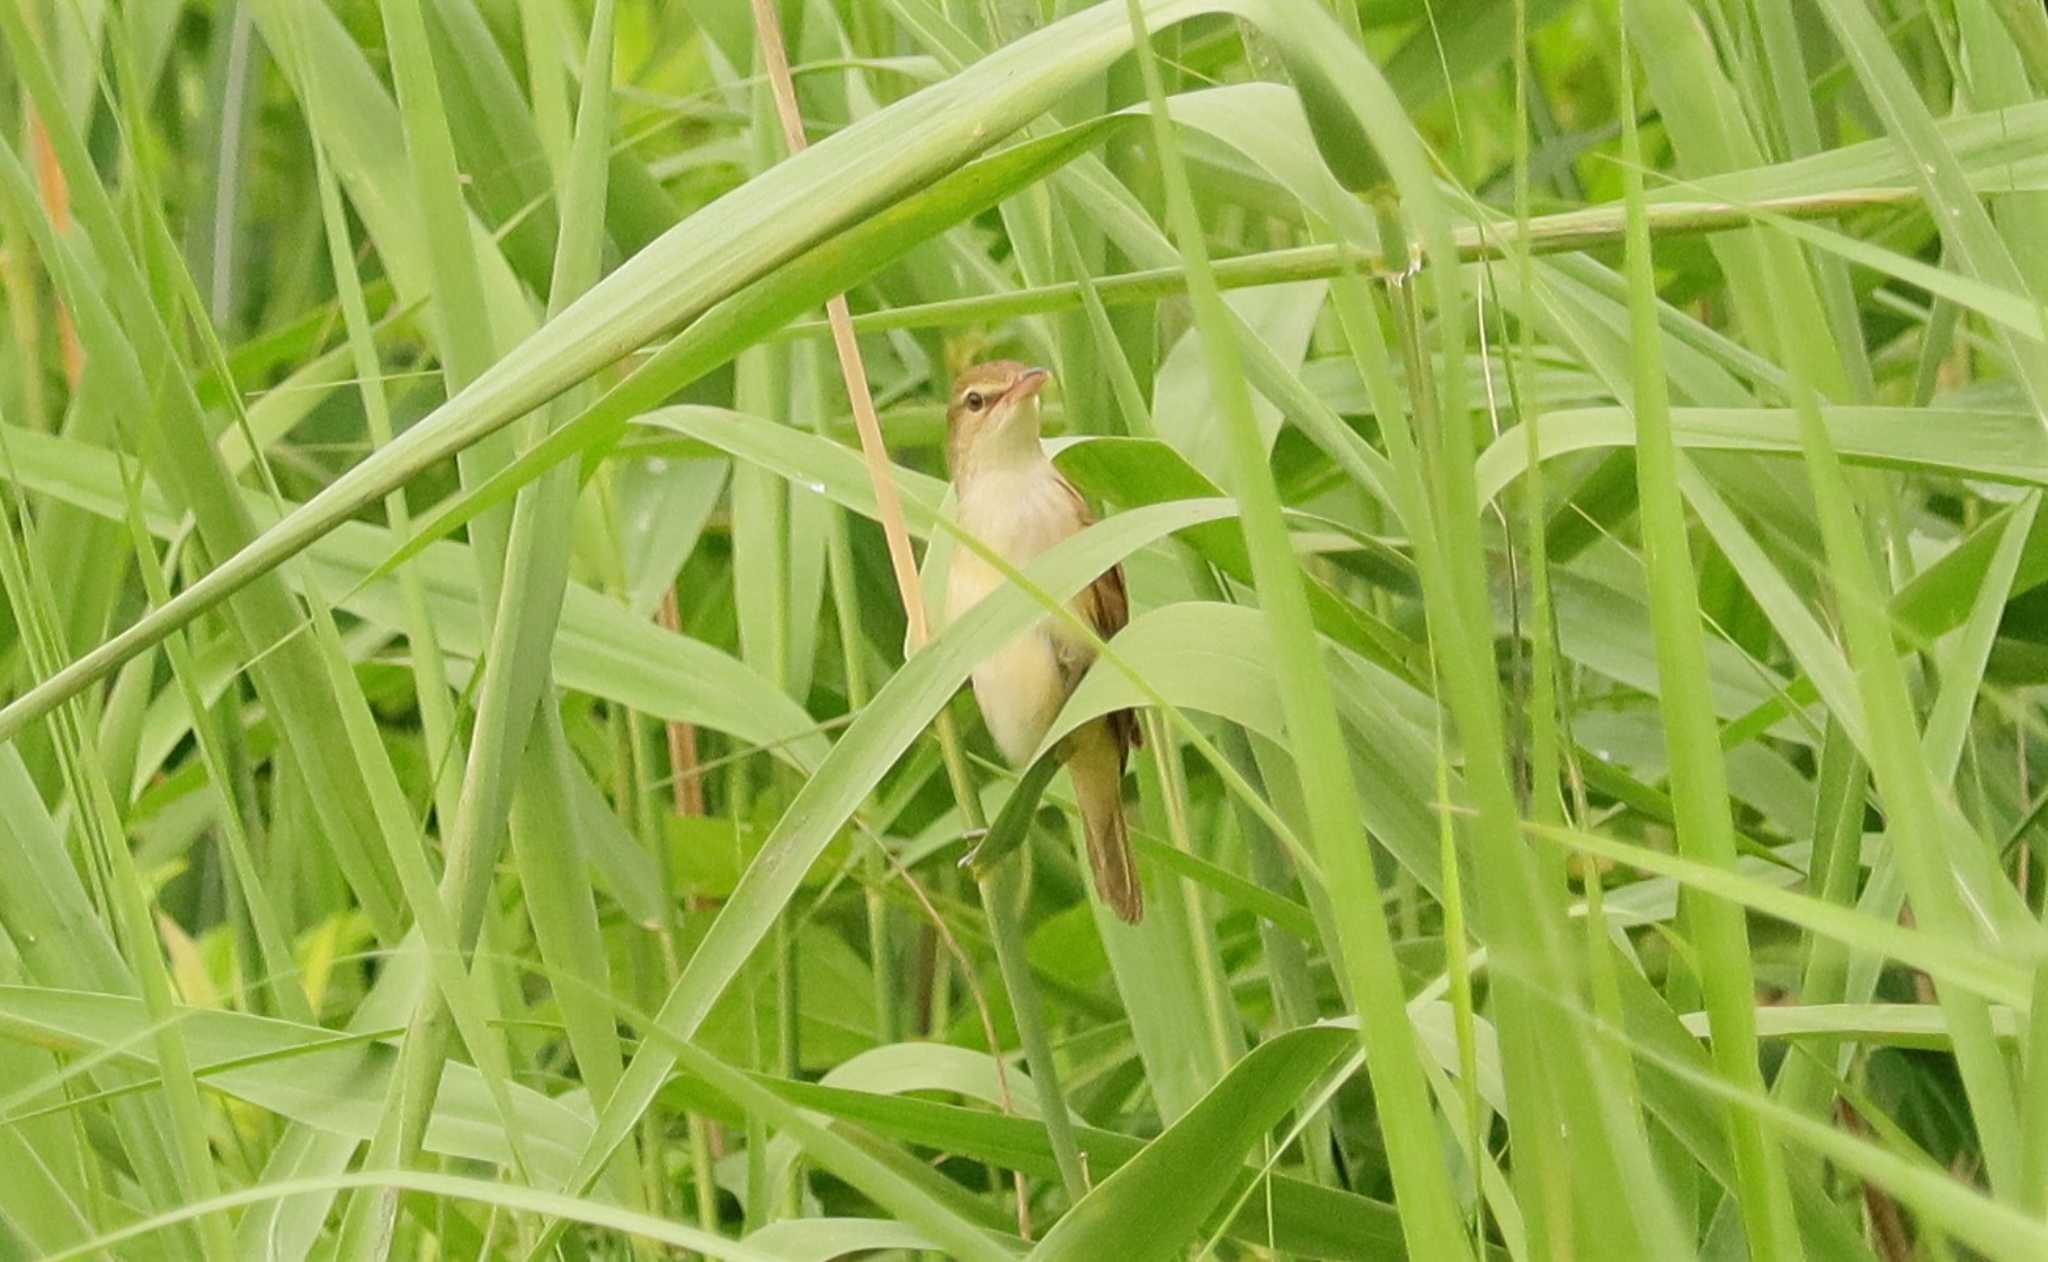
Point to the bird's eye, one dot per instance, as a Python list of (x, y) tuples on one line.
[(974, 400)]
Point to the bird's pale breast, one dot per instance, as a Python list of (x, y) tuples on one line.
[(1018, 514)]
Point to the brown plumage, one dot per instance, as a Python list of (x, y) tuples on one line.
[(1012, 498)]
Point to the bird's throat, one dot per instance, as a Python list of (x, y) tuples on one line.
[(1008, 443)]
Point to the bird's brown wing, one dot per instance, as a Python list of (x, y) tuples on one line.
[(1106, 604)]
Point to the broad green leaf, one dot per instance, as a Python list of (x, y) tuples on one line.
[(899, 710), (600, 648), (454, 1187), (770, 221), (1994, 446), (1290, 1213), (1157, 1202), (331, 1082)]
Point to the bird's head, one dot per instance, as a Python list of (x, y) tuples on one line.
[(992, 414)]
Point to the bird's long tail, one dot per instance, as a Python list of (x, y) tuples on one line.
[(1097, 764)]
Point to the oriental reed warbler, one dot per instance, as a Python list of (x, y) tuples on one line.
[(1012, 499)]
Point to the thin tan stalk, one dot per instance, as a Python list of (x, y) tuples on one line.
[(682, 737), (1001, 910), (686, 785), (888, 505)]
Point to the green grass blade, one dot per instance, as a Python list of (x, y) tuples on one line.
[(1430, 1220)]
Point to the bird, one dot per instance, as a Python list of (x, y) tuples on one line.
[(1008, 495)]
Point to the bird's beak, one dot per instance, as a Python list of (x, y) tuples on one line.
[(1029, 384)]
